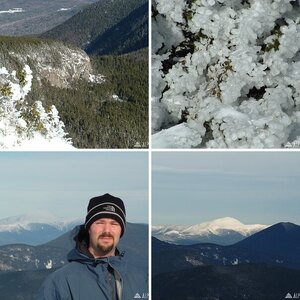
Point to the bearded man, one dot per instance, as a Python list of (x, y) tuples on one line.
[(97, 269)]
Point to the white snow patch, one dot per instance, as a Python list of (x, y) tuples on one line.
[(216, 256), (180, 136), (39, 143), (117, 98), (27, 258), (97, 78), (64, 9), (49, 264), (193, 261), (36, 263), (12, 11)]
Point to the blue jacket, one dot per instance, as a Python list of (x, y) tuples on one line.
[(86, 278)]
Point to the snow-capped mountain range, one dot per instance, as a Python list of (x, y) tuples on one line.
[(25, 221), (34, 229), (245, 269), (224, 231)]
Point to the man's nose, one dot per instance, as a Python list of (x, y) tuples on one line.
[(107, 227)]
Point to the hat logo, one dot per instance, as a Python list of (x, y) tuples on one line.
[(109, 208)]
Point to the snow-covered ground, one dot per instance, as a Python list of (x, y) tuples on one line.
[(39, 143), (225, 74)]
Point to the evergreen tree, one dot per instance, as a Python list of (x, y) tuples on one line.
[(20, 122)]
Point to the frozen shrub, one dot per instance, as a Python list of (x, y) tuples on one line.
[(229, 70), (20, 122)]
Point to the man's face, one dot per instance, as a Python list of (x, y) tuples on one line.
[(104, 237)]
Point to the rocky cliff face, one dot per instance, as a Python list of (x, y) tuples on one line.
[(61, 65)]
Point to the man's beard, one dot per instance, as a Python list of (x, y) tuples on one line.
[(105, 249)]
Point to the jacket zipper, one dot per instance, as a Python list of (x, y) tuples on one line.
[(119, 284)]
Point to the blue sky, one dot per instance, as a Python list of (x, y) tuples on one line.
[(61, 183), (254, 187)]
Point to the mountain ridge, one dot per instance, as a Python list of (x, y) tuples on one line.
[(282, 239), (34, 17), (130, 34), (168, 257), (244, 270), (90, 23), (34, 228), (224, 231), (24, 221)]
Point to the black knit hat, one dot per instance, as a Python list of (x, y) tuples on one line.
[(106, 206)]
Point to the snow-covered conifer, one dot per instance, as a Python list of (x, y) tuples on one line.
[(22, 124)]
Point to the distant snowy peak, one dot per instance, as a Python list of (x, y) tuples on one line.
[(28, 221), (219, 225), (224, 228)]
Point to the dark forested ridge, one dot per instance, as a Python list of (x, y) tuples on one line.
[(250, 281), (86, 26), (21, 285), (36, 16), (265, 265), (128, 35)]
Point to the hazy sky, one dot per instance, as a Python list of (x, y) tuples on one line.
[(254, 187), (61, 183)]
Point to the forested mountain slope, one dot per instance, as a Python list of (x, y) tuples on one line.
[(103, 103), (86, 26), (34, 16)]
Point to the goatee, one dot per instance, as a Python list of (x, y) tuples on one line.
[(105, 249)]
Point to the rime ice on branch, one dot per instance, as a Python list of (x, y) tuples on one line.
[(225, 74)]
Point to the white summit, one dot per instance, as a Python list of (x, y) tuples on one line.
[(225, 230)]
